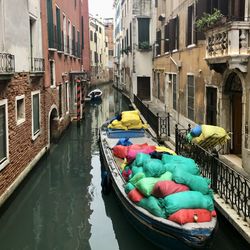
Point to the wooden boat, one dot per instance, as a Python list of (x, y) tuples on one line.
[(95, 94), (162, 232)]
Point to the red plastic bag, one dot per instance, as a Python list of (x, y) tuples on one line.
[(164, 188), (184, 216), (135, 196), (134, 149), (120, 151)]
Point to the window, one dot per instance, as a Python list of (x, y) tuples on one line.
[(20, 109), (50, 23), (35, 114), (172, 81), (91, 35), (52, 73), (67, 97), (143, 31), (158, 43), (82, 30), (58, 29), (4, 147), (111, 53), (73, 40), (190, 35), (174, 31), (69, 38), (211, 106), (190, 97), (64, 34), (60, 100)]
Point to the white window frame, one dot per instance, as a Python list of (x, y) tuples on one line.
[(35, 135), (67, 97), (187, 94), (5, 162), (20, 120), (53, 85)]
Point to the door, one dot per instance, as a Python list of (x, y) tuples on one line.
[(211, 111), (237, 123), (143, 88)]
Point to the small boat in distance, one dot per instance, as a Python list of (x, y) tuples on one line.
[(95, 94), (161, 231)]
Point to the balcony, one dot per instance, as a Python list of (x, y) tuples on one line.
[(7, 66), (37, 67), (228, 46)]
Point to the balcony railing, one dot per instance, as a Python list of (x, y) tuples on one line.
[(228, 43), (37, 65), (7, 63)]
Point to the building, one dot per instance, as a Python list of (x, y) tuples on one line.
[(23, 131), (44, 70), (99, 57), (117, 44), (109, 31), (134, 40), (201, 76), (66, 49)]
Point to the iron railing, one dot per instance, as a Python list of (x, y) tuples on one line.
[(37, 64), (230, 185), (7, 63), (160, 124)]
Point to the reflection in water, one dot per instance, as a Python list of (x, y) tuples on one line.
[(60, 205)]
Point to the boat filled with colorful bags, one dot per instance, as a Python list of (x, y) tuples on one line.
[(163, 193)]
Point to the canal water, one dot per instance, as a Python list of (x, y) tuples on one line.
[(60, 205)]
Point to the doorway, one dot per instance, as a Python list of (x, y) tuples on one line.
[(143, 88), (233, 89)]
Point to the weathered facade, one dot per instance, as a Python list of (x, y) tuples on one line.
[(109, 31), (135, 55), (99, 57), (66, 49), (202, 76), (23, 129), (44, 69)]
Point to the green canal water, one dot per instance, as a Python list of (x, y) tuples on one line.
[(60, 205)]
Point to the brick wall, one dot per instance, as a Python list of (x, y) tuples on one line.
[(22, 149)]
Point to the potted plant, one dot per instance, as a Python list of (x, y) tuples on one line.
[(144, 45), (208, 21)]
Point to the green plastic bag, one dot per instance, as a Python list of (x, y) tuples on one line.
[(136, 178), (154, 168), (146, 185), (187, 199), (128, 187), (194, 182), (140, 159), (172, 162), (152, 205)]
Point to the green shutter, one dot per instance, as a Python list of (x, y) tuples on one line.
[(58, 29), (36, 114), (82, 33), (143, 30), (50, 23)]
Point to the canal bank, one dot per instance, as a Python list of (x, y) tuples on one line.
[(231, 215)]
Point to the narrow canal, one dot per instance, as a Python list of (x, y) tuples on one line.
[(60, 205)]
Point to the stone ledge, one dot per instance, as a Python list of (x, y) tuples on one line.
[(243, 227)]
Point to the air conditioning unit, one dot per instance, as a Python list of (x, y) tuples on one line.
[(161, 17)]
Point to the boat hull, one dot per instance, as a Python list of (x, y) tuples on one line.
[(163, 235)]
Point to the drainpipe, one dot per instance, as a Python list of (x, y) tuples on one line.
[(178, 66)]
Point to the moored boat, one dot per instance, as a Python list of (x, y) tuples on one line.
[(161, 231), (95, 94)]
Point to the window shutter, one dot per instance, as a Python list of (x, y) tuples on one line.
[(2, 133), (189, 27), (177, 32), (166, 36), (143, 30)]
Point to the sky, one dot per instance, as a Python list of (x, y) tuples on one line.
[(104, 8)]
